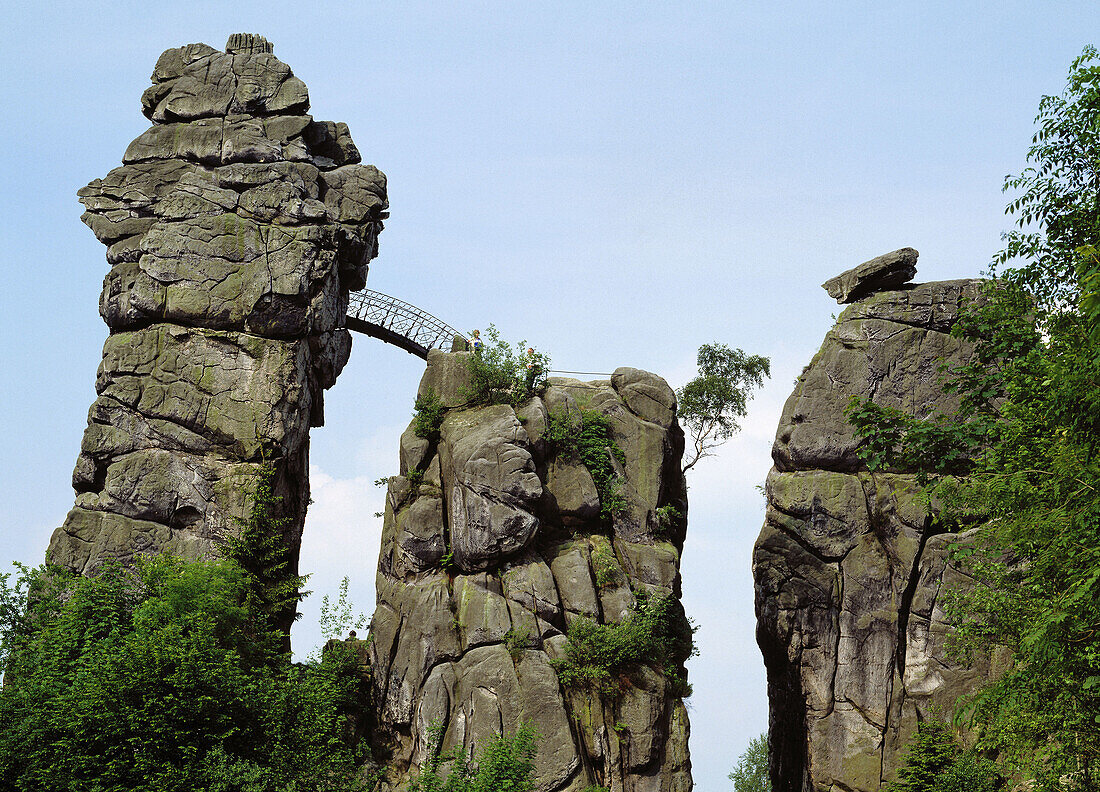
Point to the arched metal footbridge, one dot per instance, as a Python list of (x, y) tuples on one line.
[(399, 323)]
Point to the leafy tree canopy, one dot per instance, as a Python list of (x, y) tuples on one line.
[(711, 404), (751, 773), (171, 675)]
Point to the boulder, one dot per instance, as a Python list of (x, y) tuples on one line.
[(225, 300), (882, 273)]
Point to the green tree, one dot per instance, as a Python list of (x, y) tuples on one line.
[(501, 375), (751, 773), (170, 675), (710, 405), (160, 678), (935, 762)]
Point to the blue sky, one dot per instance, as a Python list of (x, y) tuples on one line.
[(616, 182)]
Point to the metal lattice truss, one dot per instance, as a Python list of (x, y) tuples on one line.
[(399, 323)]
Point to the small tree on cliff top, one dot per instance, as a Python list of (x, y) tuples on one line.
[(711, 404)]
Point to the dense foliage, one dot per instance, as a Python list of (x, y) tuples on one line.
[(710, 405), (501, 375), (587, 435), (1027, 434), (171, 675), (656, 633), (751, 773), (262, 549), (506, 764), (161, 678)]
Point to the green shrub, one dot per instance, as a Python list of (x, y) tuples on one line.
[(506, 763), (605, 566), (499, 375), (515, 641), (589, 438), (656, 633), (428, 416), (262, 550), (667, 518)]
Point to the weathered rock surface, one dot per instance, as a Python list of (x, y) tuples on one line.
[(235, 229), (849, 565), (882, 273), (491, 545)]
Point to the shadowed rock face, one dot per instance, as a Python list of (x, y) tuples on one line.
[(235, 228), (848, 568), (523, 525)]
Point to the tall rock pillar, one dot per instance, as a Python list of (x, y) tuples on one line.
[(235, 228), (850, 566), (493, 545)]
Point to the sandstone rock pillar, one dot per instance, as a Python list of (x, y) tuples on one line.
[(235, 228), (492, 545), (850, 567)]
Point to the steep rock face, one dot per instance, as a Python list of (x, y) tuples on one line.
[(235, 228), (848, 567), (492, 544)]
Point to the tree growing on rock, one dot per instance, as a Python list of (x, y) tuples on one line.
[(711, 404)]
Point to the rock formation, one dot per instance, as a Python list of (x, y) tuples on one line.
[(235, 228), (849, 566), (492, 545)]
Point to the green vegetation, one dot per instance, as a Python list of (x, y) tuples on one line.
[(935, 762), (667, 518), (162, 678), (173, 675), (506, 763), (499, 375), (428, 416), (656, 633), (515, 641), (605, 566), (262, 550), (1029, 431), (337, 618), (710, 405), (589, 437), (751, 773)]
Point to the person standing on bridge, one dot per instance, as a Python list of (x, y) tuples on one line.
[(475, 341)]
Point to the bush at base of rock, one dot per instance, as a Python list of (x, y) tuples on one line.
[(161, 678)]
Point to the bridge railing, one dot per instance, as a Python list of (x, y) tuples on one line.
[(398, 322)]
